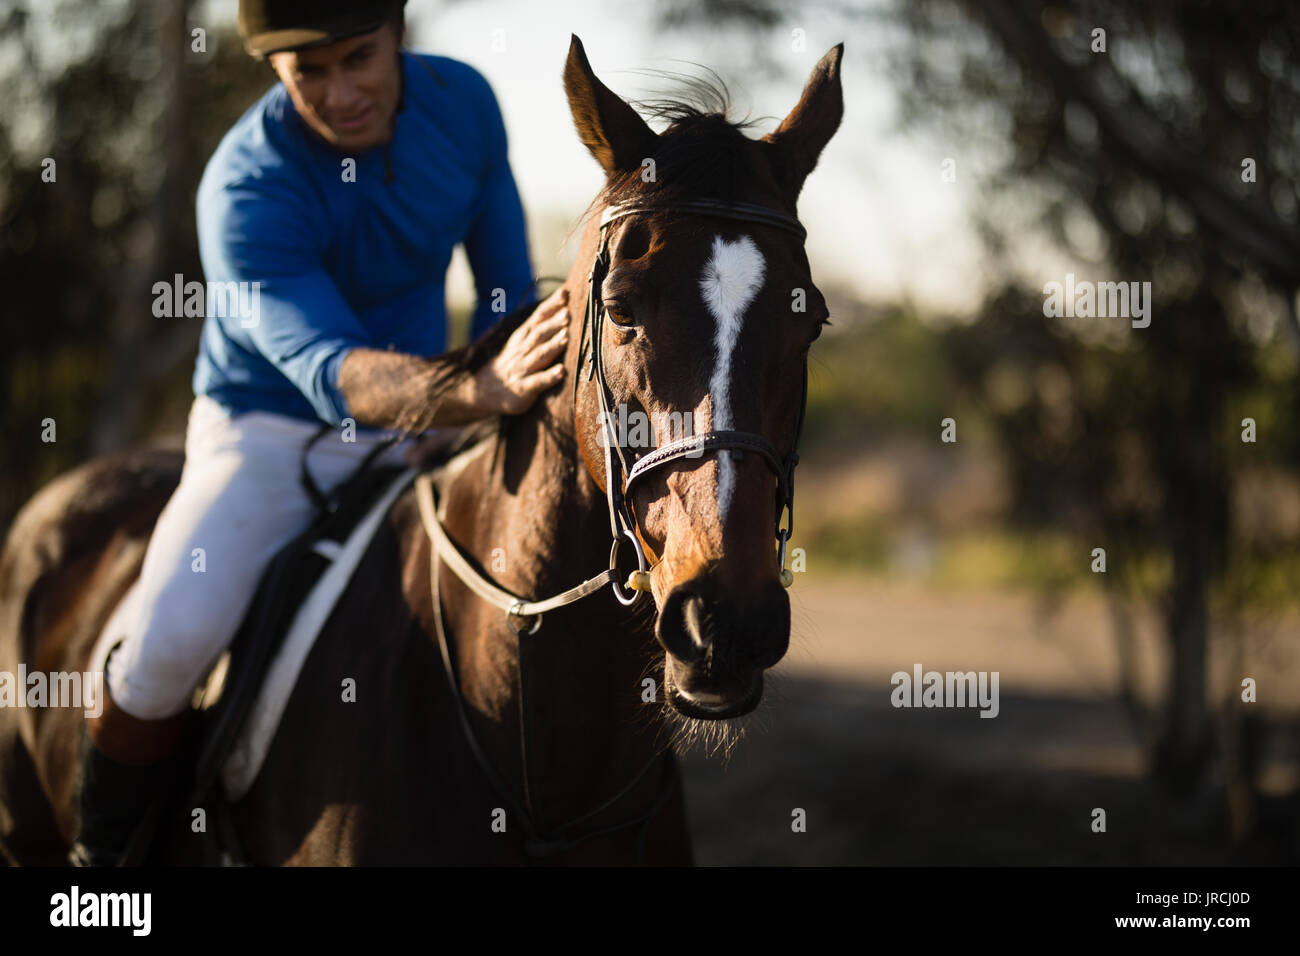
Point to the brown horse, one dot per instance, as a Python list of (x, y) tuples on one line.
[(565, 752)]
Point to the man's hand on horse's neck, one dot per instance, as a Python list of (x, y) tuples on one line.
[(395, 390)]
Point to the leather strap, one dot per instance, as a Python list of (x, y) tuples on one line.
[(695, 446), (488, 591), (743, 211)]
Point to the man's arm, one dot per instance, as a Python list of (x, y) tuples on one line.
[(310, 334), (267, 236), (393, 390)]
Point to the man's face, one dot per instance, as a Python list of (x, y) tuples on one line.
[(346, 92)]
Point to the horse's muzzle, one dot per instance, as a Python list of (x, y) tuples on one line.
[(719, 647)]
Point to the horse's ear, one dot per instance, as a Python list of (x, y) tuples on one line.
[(616, 135), (799, 140)]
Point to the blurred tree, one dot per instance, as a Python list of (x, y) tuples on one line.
[(1162, 148), (1132, 142), (127, 102)]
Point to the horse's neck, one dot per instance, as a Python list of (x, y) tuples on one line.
[(543, 487), (582, 671)]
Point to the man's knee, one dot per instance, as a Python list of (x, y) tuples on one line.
[(174, 643)]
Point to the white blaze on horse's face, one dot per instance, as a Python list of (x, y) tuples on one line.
[(731, 279)]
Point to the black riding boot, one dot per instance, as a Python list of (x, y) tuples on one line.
[(126, 765), (113, 801)]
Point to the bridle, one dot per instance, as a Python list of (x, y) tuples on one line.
[(619, 477), (619, 480), (618, 488)]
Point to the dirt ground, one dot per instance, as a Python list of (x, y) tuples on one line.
[(905, 786)]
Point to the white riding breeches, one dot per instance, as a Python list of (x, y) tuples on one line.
[(239, 501)]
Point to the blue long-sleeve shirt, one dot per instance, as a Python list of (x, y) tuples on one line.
[(344, 264)]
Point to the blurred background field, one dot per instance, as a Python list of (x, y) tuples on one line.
[(988, 148), (915, 555), (908, 787)]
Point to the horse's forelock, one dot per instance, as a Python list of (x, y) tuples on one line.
[(700, 152), (699, 155)]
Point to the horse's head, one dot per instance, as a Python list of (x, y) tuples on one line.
[(708, 313)]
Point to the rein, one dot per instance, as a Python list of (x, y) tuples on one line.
[(618, 484), (539, 841)]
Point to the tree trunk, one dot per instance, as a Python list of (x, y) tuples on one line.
[(1182, 754)]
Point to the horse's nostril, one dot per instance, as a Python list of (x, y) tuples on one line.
[(682, 624), (693, 613), (696, 627)]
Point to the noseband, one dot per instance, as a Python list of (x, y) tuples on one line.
[(619, 477)]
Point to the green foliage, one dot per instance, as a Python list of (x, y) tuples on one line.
[(886, 375)]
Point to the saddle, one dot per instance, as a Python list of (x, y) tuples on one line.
[(282, 595), (245, 694)]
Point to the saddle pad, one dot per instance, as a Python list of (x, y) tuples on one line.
[(258, 730)]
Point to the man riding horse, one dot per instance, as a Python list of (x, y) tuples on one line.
[(342, 192)]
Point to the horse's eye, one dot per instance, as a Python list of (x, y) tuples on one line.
[(619, 315)]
